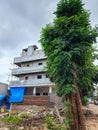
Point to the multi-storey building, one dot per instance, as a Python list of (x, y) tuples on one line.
[(31, 74)]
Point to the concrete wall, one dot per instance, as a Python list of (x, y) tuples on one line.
[(30, 67), (29, 51), (33, 77), (30, 83), (27, 70), (53, 98), (34, 63), (3, 88), (37, 55)]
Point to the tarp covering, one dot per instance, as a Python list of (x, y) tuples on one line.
[(2, 97), (8, 104), (16, 94)]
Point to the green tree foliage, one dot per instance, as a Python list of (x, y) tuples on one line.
[(95, 78), (68, 43)]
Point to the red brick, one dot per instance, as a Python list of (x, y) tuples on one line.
[(35, 100)]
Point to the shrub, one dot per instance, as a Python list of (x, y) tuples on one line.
[(85, 100)]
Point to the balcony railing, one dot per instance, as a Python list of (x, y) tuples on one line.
[(29, 83), (27, 70)]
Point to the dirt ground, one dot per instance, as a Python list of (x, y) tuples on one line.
[(92, 120), (38, 123)]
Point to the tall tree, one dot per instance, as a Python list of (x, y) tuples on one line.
[(68, 44)]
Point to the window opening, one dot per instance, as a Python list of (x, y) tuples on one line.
[(38, 94), (28, 65), (40, 63), (26, 78), (45, 93), (39, 76), (28, 91)]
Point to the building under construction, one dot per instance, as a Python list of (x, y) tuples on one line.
[(30, 71)]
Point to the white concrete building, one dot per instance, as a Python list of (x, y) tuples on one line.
[(31, 74)]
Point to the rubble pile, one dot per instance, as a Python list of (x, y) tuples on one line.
[(34, 118)]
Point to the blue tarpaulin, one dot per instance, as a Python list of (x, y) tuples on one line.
[(2, 97), (16, 94), (7, 104)]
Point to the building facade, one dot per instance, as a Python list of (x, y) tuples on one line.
[(3, 88), (31, 74)]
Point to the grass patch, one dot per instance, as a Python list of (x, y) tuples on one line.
[(12, 119)]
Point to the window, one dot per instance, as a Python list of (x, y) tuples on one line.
[(26, 78), (40, 63), (39, 76), (38, 94), (45, 93), (28, 65), (28, 91), (25, 50)]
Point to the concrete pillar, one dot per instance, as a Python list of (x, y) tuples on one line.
[(34, 91), (50, 90)]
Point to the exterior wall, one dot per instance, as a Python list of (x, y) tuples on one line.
[(30, 83), (33, 77), (29, 51), (34, 63), (37, 55), (35, 100), (27, 70), (55, 98), (3, 88)]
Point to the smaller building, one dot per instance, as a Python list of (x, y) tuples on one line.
[(3, 88)]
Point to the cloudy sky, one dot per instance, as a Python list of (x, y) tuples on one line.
[(21, 22)]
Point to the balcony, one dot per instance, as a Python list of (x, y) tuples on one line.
[(37, 55), (29, 83), (27, 70)]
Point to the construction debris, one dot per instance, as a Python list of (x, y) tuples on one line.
[(34, 118)]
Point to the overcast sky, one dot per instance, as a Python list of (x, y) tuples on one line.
[(21, 22)]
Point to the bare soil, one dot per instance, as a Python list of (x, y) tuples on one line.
[(92, 120), (38, 122)]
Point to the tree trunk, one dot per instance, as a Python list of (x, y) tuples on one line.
[(76, 112), (73, 113)]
